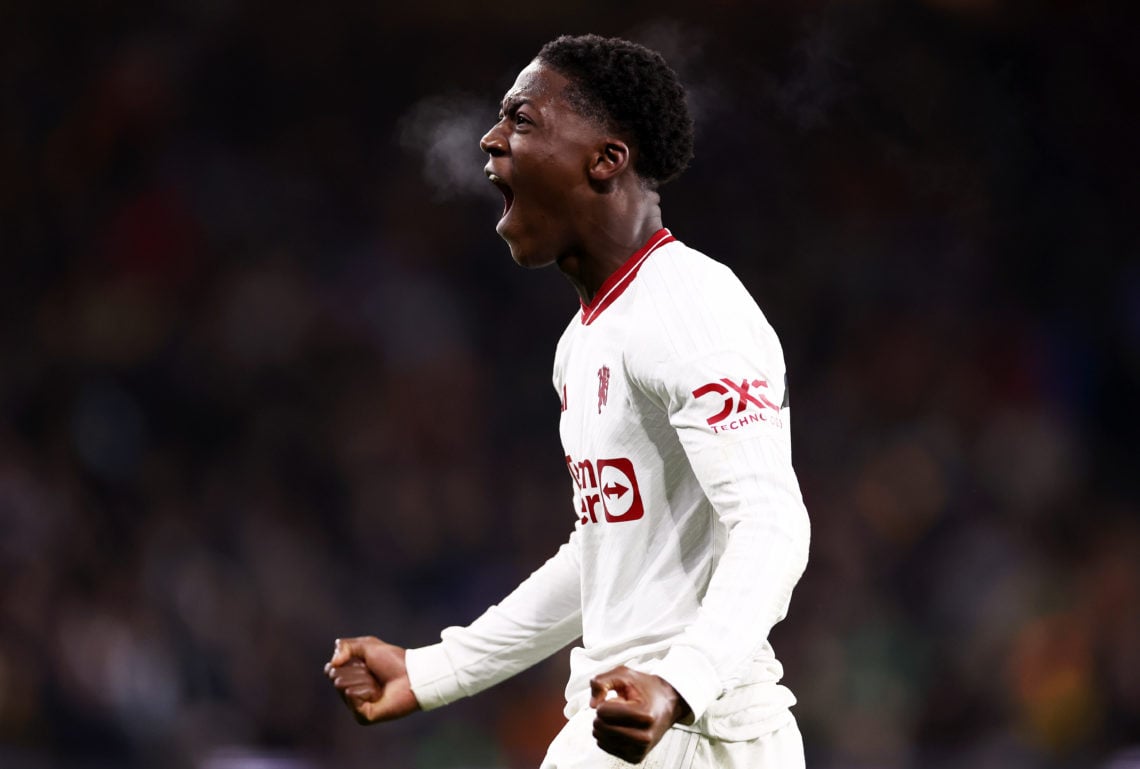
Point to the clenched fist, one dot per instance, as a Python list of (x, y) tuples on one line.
[(372, 679), (634, 710)]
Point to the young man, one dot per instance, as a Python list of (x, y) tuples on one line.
[(690, 530)]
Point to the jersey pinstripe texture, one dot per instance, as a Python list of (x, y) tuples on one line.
[(690, 532)]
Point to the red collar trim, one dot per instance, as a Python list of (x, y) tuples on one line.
[(616, 284)]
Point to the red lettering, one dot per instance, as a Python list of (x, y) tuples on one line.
[(742, 390), (714, 387), (745, 394), (585, 467), (610, 483), (590, 503), (573, 470)]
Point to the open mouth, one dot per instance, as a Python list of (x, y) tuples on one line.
[(508, 193)]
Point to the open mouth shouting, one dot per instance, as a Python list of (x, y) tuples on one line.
[(508, 193)]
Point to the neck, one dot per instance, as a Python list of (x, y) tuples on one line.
[(606, 242)]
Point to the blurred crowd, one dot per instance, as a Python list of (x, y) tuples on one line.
[(268, 377)]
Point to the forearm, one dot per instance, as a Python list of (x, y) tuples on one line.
[(538, 618), (754, 491)]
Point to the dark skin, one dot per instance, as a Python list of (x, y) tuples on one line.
[(634, 710), (372, 679), (571, 198), (575, 198)]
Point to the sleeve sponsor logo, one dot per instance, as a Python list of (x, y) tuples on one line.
[(608, 486), (741, 403)]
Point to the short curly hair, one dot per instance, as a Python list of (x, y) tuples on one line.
[(631, 89)]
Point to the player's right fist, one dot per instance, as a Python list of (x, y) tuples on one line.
[(372, 679)]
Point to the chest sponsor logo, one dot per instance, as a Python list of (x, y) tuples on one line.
[(741, 403), (608, 486)]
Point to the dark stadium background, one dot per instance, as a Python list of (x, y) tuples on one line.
[(268, 376)]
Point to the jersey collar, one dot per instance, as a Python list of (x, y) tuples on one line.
[(616, 284)]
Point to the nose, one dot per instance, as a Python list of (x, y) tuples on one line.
[(493, 142)]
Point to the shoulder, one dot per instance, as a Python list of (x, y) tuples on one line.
[(700, 330), (693, 304), (678, 263)]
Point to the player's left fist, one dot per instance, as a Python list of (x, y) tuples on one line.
[(634, 710)]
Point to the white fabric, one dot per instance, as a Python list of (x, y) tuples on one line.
[(574, 747), (691, 531)]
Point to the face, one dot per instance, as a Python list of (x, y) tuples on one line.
[(540, 152)]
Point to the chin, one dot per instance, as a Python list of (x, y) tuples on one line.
[(525, 259), (530, 260), (526, 255)]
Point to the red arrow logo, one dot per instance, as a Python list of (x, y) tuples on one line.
[(614, 490)]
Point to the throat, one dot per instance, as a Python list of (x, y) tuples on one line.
[(576, 270), (588, 270)]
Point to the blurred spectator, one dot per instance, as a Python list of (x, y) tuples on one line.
[(267, 376)]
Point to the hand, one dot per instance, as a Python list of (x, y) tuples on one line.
[(634, 712), (372, 679)]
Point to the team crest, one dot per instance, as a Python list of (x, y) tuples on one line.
[(603, 387)]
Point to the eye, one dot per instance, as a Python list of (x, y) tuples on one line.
[(521, 119)]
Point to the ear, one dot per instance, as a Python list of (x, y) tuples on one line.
[(610, 160)]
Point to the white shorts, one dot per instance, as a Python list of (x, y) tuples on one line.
[(574, 748)]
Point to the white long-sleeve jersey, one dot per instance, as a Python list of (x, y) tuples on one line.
[(690, 529)]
